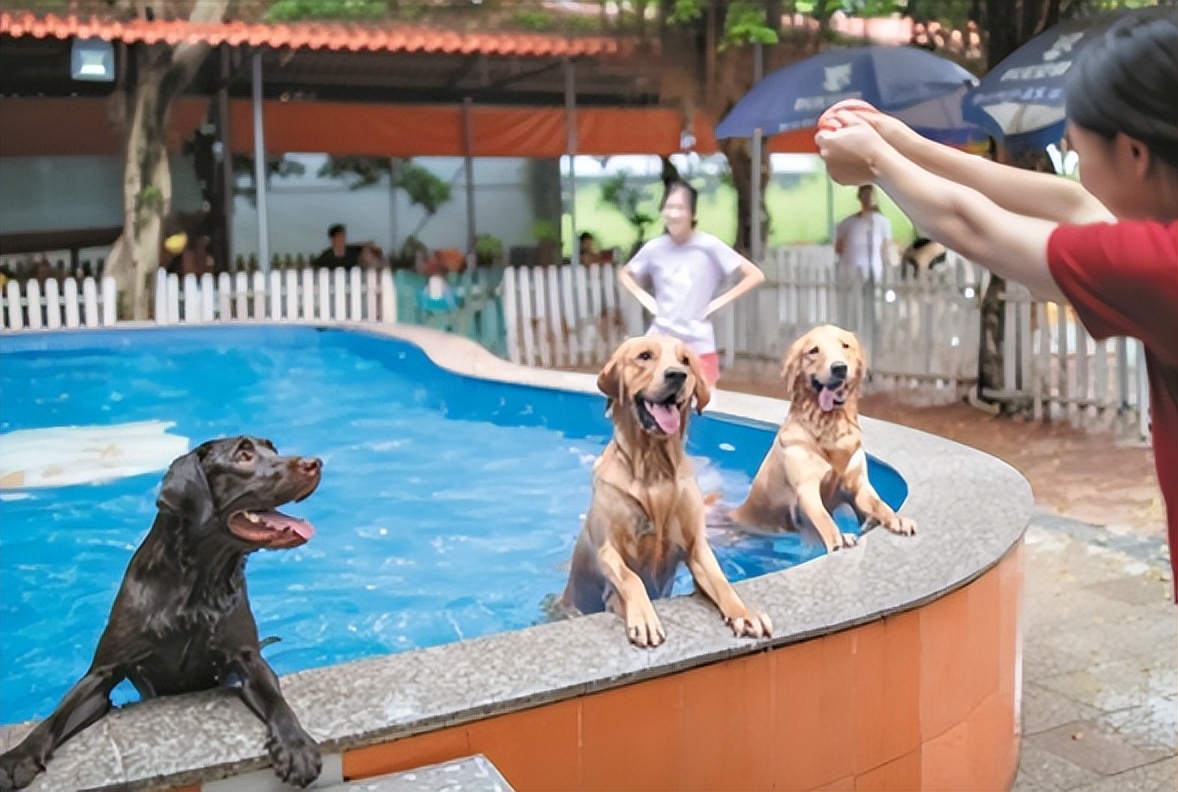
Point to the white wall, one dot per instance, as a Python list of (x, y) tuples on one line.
[(61, 193), (300, 208)]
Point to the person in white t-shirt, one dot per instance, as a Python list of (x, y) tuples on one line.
[(863, 240), (684, 267)]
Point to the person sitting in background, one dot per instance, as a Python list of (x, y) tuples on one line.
[(341, 254), (589, 251)]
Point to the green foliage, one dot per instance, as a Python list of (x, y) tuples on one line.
[(745, 23), (487, 248), (684, 12), (423, 188), (364, 171), (287, 10), (276, 166), (545, 231), (629, 201), (532, 19)]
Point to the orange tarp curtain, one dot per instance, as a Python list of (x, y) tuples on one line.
[(80, 125)]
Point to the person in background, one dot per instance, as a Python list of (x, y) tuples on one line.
[(587, 245), (863, 240), (340, 254), (1108, 245), (685, 267)]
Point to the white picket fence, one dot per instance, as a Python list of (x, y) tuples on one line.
[(55, 304), (355, 295), (921, 332)]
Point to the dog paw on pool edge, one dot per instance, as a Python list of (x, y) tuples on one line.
[(17, 771), (296, 760), (754, 624)]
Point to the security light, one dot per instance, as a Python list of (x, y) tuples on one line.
[(92, 60)]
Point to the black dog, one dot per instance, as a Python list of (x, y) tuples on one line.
[(181, 621)]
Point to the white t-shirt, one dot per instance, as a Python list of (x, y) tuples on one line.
[(861, 238), (683, 280)]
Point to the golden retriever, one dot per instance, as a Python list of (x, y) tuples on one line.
[(647, 511), (817, 460)]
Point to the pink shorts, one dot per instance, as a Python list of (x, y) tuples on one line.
[(710, 363)]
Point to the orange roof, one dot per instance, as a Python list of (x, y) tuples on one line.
[(312, 35)]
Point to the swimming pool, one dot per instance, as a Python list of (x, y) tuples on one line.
[(447, 511)]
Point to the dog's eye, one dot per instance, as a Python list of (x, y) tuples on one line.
[(813, 351), (846, 345), (686, 361), (645, 355)]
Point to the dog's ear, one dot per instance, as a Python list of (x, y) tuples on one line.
[(185, 490), (791, 364), (609, 379), (702, 392), (860, 360)]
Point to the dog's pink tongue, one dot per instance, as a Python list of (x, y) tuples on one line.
[(667, 417), (284, 522), (826, 399)]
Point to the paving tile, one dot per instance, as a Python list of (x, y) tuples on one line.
[(1042, 661), (1039, 770), (1117, 685), (1151, 725), (1157, 777), (1142, 589), (1094, 746), (1044, 709)]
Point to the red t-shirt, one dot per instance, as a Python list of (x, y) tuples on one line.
[(1122, 279)]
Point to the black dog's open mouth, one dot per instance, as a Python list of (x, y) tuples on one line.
[(270, 529), (659, 417), (830, 394)]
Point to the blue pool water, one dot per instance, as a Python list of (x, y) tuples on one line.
[(447, 510)]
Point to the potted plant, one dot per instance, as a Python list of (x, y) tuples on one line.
[(488, 249), (547, 242)]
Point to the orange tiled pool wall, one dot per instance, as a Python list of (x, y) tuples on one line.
[(893, 665), (926, 699)]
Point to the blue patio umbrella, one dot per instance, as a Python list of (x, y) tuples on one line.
[(1023, 94), (923, 89)]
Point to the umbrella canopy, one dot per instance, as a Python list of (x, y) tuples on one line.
[(923, 89), (1024, 92)]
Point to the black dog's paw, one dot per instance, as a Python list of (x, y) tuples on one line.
[(296, 758), (18, 770)]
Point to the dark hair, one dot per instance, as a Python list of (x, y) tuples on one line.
[(585, 235), (679, 184), (335, 228), (1126, 80)]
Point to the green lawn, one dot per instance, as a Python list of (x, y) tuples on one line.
[(798, 214)]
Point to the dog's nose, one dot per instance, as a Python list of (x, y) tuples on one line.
[(675, 375), (838, 370), (310, 466)]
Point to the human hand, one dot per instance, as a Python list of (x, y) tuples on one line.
[(890, 128), (848, 146), (830, 121)]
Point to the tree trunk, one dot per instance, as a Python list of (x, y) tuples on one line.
[(161, 73), (147, 189), (1008, 23)]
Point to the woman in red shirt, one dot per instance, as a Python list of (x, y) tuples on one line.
[(1109, 247)]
